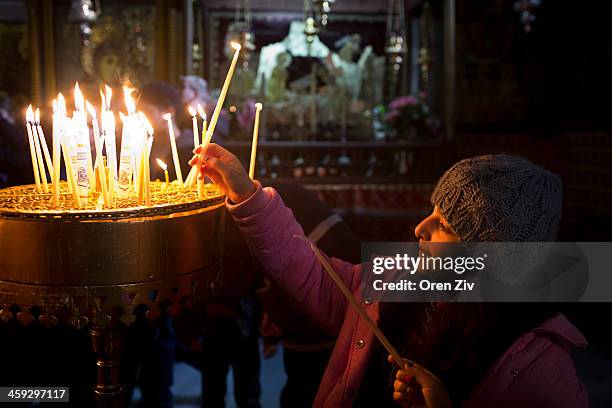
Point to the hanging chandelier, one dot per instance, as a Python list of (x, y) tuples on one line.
[(84, 13)]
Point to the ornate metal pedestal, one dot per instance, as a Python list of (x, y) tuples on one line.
[(91, 268)]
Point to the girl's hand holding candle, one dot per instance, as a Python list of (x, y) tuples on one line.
[(225, 171)]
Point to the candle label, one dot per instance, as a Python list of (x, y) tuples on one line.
[(82, 174), (126, 168), (83, 157)]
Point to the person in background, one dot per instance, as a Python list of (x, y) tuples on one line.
[(15, 162), (155, 99), (307, 346), (195, 92)]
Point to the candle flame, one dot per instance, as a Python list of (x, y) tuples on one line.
[(192, 112), (129, 101), (122, 117), (162, 165), (236, 46), (109, 96), (90, 109), (146, 123), (61, 104), (202, 112), (78, 98), (103, 99), (37, 116), (258, 106), (30, 114), (167, 116), (54, 104)]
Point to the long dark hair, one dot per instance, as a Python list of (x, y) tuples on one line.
[(458, 341)]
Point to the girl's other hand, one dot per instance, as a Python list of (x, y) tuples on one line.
[(225, 170), (416, 387)]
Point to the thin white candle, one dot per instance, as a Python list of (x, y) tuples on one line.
[(258, 108), (99, 163), (175, 157), (43, 143), (39, 157), (108, 130), (146, 151), (29, 119), (165, 169), (194, 121), (193, 173), (226, 84), (56, 155)]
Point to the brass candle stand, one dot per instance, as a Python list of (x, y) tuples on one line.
[(92, 266)]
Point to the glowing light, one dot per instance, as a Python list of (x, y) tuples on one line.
[(79, 102), (201, 112), (30, 114), (162, 165)]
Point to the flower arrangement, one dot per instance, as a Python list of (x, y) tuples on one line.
[(409, 113)]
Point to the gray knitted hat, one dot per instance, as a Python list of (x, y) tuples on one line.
[(500, 198)]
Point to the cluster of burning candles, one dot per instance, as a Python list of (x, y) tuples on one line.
[(131, 173)]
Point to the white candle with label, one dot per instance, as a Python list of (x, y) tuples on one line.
[(83, 135)]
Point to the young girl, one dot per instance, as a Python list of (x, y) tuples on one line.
[(477, 355)]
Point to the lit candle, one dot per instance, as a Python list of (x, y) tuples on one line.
[(29, 120), (84, 166), (126, 167), (82, 138), (39, 156), (55, 178), (108, 130), (194, 121), (146, 151), (70, 157), (226, 84), (202, 114), (258, 108), (43, 143), (175, 158), (165, 169), (193, 173), (99, 163)]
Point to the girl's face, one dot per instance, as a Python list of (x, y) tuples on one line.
[(435, 228)]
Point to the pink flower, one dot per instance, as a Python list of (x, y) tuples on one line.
[(392, 115), (403, 101)]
